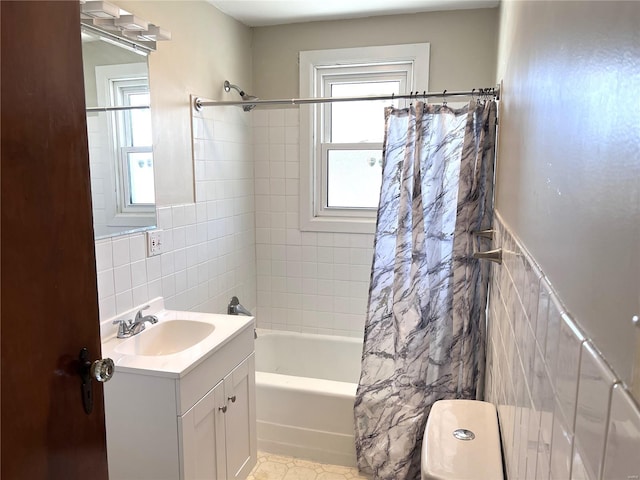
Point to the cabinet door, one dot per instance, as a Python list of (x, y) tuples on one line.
[(240, 393), (202, 444)]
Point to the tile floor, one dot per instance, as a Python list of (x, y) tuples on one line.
[(277, 467)]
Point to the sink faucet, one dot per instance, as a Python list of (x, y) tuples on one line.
[(129, 328), (138, 322)]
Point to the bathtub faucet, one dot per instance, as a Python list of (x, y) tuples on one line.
[(235, 308)]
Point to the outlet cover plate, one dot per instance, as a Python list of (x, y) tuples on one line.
[(154, 243)]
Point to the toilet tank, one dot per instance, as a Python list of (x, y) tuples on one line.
[(462, 442)]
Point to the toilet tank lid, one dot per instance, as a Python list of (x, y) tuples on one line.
[(450, 452)]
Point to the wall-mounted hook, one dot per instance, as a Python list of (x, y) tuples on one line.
[(491, 255), (484, 233)]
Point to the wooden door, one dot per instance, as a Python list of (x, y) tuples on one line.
[(202, 438), (49, 294)]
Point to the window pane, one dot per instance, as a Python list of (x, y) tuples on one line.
[(138, 99), (354, 178), (140, 168), (355, 122), (140, 120)]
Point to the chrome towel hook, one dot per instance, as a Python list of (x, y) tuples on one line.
[(491, 255)]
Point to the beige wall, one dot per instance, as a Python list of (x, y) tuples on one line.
[(207, 47), (461, 42), (102, 53), (569, 158)]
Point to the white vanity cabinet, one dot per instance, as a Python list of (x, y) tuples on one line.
[(198, 425), (217, 435)]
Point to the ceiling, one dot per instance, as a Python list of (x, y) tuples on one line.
[(255, 13)]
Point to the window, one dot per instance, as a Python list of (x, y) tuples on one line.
[(341, 142)]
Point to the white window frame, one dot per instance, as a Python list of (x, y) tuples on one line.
[(317, 68), (324, 143), (120, 90), (120, 212)]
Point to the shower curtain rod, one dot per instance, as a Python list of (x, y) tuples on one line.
[(117, 109), (198, 103)]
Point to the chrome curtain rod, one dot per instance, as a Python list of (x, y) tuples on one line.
[(116, 109), (199, 104)]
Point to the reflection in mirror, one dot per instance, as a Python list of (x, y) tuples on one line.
[(116, 78)]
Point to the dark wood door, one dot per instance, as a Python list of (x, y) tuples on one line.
[(49, 294)]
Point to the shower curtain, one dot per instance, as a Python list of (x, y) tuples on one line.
[(424, 333)]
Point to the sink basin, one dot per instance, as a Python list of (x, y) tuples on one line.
[(165, 338)]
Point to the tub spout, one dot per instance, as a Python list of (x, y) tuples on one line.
[(235, 308)]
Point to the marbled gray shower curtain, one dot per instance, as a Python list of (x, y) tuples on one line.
[(425, 329)]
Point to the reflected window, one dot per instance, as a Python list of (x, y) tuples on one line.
[(133, 137)]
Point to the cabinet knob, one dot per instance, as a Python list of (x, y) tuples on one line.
[(232, 398), (223, 409)]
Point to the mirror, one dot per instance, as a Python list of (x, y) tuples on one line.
[(116, 79)]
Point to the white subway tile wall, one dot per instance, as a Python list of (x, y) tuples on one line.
[(623, 437), (100, 179), (563, 413), (592, 413), (307, 281), (208, 246)]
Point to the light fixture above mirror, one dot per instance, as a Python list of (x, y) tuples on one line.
[(111, 18), (99, 10)]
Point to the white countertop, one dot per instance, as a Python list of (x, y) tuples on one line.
[(178, 364)]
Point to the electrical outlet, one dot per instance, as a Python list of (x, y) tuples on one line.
[(154, 243)]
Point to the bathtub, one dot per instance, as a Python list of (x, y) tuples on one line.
[(305, 389)]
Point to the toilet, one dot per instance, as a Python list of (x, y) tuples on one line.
[(462, 442)]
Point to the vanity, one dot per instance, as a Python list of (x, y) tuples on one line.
[(181, 404)]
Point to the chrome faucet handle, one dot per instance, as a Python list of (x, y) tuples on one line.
[(124, 327), (139, 314), (136, 328)]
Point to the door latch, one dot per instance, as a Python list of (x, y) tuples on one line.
[(100, 370)]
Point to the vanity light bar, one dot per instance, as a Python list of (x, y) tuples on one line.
[(156, 33), (100, 10), (124, 23), (106, 24), (116, 38), (109, 17), (152, 34), (131, 22)]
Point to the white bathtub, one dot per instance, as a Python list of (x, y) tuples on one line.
[(305, 389)]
